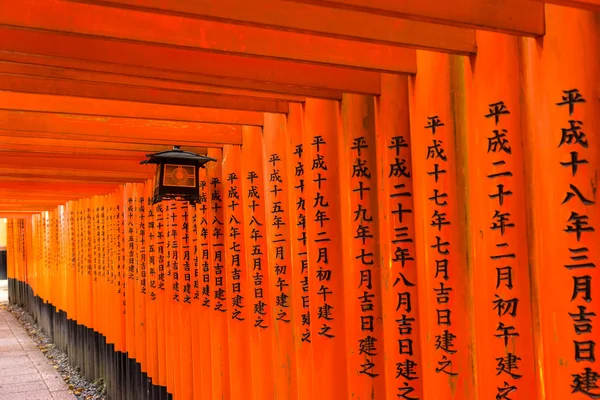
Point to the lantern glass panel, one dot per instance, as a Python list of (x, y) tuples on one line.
[(179, 175)]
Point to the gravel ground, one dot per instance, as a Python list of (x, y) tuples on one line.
[(78, 385)]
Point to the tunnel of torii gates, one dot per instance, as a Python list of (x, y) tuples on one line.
[(404, 203)]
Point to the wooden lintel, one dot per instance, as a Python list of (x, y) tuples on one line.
[(115, 129), (80, 164), (83, 189), (70, 72), (120, 73), (517, 17), (313, 19), (126, 109), (100, 90), (120, 143), (591, 5), (12, 211), (170, 30), (190, 65), (70, 176), (17, 214), (86, 148)]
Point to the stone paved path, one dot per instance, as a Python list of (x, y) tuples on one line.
[(25, 373)]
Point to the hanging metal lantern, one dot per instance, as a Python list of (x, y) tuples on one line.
[(177, 174)]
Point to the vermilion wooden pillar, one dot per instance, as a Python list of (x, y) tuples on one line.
[(490, 142), (219, 300), (239, 305), (261, 337), (202, 329), (362, 268), (399, 275), (323, 227), (561, 111), (443, 270), (279, 254), (297, 166)]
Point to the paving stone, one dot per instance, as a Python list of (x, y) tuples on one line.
[(25, 373), (29, 377), (23, 387), (15, 371), (63, 395), (33, 395)]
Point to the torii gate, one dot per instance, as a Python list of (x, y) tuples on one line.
[(404, 205)]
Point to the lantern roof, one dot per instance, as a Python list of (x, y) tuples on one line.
[(176, 154)]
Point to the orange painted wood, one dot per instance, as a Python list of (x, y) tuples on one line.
[(236, 269), (161, 294), (219, 333), (99, 90), (115, 108), (74, 189), (95, 128), (517, 17), (561, 126), (71, 175), (38, 150), (27, 66), (69, 163), (310, 19), (129, 271), (297, 166), (181, 339), (328, 336), (196, 305), (360, 255), (170, 308), (143, 75), (142, 191), (203, 365), (133, 25), (17, 142), (261, 335), (440, 239), (193, 66), (278, 254), (591, 5), (498, 236), (185, 298), (17, 214), (401, 327)]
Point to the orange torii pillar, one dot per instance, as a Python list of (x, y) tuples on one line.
[(561, 112)]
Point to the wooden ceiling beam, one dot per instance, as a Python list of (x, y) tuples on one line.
[(219, 68), (35, 150), (316, 20), (99, 90), (123, 143), (142, 75), (13, 193), (34, 198), (219, 37), (65, 163), (591, 5), (84, 189), (19, 143), (10, 100), (27, 209), (516, 17), (70, 176), (17, 214), (45, 71), (115, 129)]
